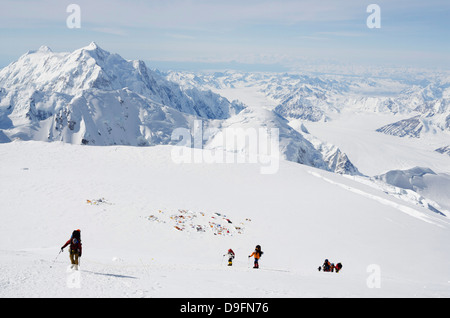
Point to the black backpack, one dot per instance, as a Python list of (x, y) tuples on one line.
[(76, 234), (258, 250)]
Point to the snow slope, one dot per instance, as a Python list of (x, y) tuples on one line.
[(300, 216)]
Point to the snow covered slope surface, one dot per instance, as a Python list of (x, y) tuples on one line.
[(129, 201)]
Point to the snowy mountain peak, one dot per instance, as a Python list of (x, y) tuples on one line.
[(93, 50), (92, 46), (45, 49)]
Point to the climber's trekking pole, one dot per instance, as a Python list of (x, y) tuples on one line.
[(55, 258)]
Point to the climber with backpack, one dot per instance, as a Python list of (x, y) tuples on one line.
[(257, 255), (231, 256), (74, 249), (326, 266)]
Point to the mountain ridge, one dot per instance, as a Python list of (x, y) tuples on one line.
[(93, 97)]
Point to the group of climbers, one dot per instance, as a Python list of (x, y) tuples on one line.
[(75, 250), (330, 267), (257, 253)]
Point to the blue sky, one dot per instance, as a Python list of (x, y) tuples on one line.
[(247, 34)]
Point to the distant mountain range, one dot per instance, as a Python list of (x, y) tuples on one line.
[(94, 97), (426, 102)]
